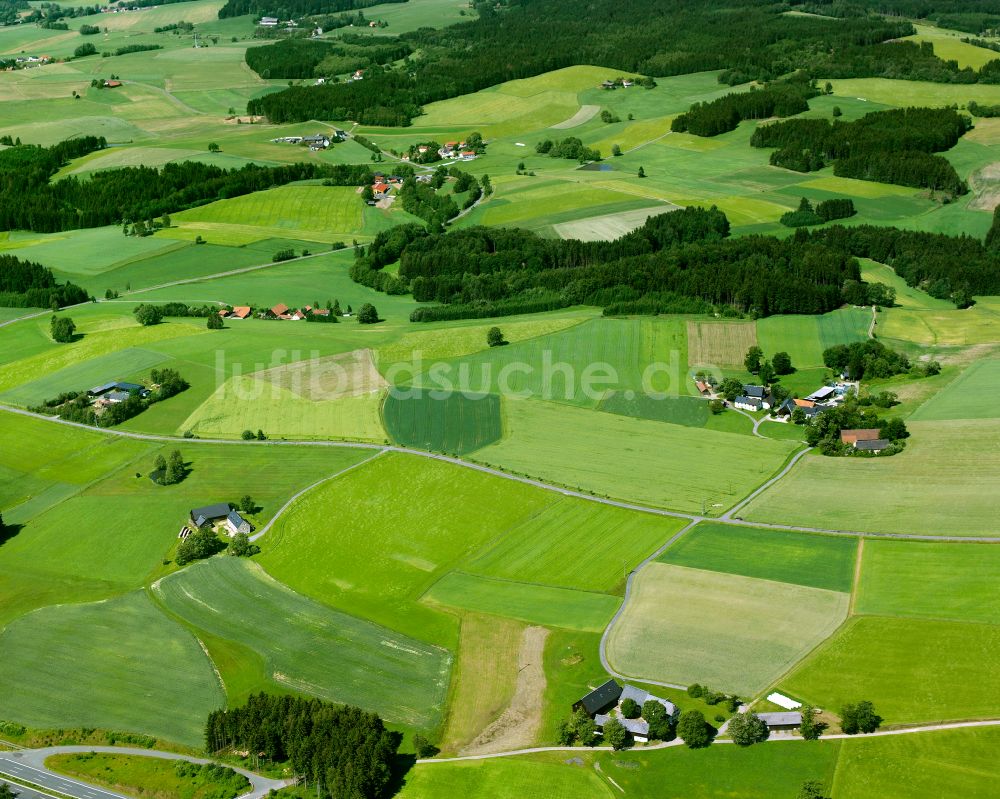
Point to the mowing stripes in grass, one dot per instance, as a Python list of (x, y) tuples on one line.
[(309, 648), (118, 664), (576, 544), (914, 670), (814, 561), (930, 580), (688, 411), (735, 633), (844, 326), (720, 343), (457, 423), (528, 602)]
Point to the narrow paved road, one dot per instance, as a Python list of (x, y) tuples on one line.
[(927, 728), (29, 765)]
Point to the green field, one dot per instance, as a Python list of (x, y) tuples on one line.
[(457, 423), (805, 337), (576, 544), (797, 558), (124, 661), (929, 580), (740, 635), (913, 670), (970, 396), (309, 648), (527, 602), (945, 466), (684, 468), (688, 411), (348, 546)]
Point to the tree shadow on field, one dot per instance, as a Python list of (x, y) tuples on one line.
[(401, 766), (9, 531)]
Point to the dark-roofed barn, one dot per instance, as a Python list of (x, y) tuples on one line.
[(600, 698)]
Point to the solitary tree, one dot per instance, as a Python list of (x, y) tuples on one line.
[(214, 322), (62, 328), (494, 337), (146, 314), (175, 468), (615, 734), (747, 728), (241, 547), (616, 149), (248, 435), (694, 730), (260, 435), (367, 315), (213, 147), (642, 172), (859, 718), (837, 112), (753, 359), (247, 504), (810, 728), (812, 789), (782, 363), (766, 373)]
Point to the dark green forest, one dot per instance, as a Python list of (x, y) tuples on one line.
[(341, 751), (894, 146), (294, 9), (25, 284), (30, 201)]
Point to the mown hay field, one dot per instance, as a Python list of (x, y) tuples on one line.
[(970, 396), (731, 632), (310, 648), (720, 343), (118, 665)]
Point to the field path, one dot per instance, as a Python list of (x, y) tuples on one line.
[(29, 765), (585, 114)]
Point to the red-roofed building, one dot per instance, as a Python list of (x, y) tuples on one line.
[(380, 188), (240, 312), (279, 310)]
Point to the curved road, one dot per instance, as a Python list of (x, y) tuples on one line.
[(29, 765)]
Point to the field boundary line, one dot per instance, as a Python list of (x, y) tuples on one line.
[(795, 458), (602, 646), (856, 583)]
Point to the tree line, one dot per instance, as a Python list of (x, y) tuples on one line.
[(894, 146), (973, 16), (725, 113), (311, 58), (512, 40), (345, 752), (294, 9), (30, 201), (26, 284)]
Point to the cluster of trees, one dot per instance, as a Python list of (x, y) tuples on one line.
[(170, 472), (133, 48), (75, 406), (302, 59), (571, 147), (858, 292), (869, 359), (10, 10), (342, 750), (515, 40), (214, 781), (29, 201), (26, 284), (895, 146), (978, 110), (724, 114), (199, 545), (824, 211), (823, 431), (860, 717), (974, 16)]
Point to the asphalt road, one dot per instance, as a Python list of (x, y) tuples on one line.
[(10, 765), (25, 793)]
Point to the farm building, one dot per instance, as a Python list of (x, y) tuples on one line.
[(639, 728), (748, 404), (210, 514), (112, 84), (854, 436), (785, 720), (822, 394), (758, 393), (808, 407), (601, 698), (240, 312), (268, 22), (703, 388), (872, 445), (120, 387), (277, 312)]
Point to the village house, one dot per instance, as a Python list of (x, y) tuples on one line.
[(468, 155), (761, 393), (748, 403), (854, 436), (240, 312), (277, 312), (220, 512)]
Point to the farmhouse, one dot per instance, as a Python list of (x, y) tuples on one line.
[(759, 393), (277, 312), (604, 703), (854, 436), (748, 403), (808, 407), (468, 155), (240, 312), (785, 720), (210, 514), (112, 84), (703, 388)]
